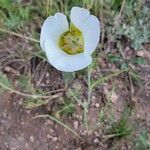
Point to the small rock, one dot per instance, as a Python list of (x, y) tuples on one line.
[(114, 97), (101, 62), (77, 116), (83, 132), (96, 140), (49, 136), (96, 133), (28, 111), (93, 97), (47, 81), (138, 116), (119, 110), (52, 131), (80, 117), (55, 139), (11, 70), (26, 145), (76, 124), (97, 105), (20, 101), (22, 123), (143, 53), (47, 75), (77, 85), (31, 138)]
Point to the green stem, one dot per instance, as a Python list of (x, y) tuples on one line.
[(78, 100), (85, 116), (89, 71), (86, 105), (103, 79), (30, 95)]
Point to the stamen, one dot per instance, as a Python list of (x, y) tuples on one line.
[(72, 41)]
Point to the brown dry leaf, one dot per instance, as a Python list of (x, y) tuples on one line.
[(143, 53), (113, 97), (11, 70)]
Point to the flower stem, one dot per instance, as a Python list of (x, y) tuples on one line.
[(85, 116), (89, 71), (86, 105)]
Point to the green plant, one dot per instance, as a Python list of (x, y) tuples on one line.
[(116, 4), (138, 61), (68, 77), (141, 143), (135, 77), (91, 85), (14, 15), (4, 82), (130, 24), (114, 58), (104, 110), (121, 128), (136, 26), (67, 108), (31, 103), (24, 82)]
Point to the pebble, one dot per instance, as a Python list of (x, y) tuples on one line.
[(49, 136), (28, 111), (22, 123), (77, 85), (84, 132), (26, 145), (20, 101), (55, 139), (97, 105), (47, 75), (119, 110), (52, 131), (77, 116), (114, 97), (96, 140), (93, 97), (96, 133), (76, 124), (47, 81), (80, 117), (31, 138)]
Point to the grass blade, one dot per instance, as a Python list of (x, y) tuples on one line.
[(101, 80)]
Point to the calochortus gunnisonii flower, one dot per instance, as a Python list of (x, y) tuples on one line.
[(69, 47)]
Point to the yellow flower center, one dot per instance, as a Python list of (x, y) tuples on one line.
[(72, 41)]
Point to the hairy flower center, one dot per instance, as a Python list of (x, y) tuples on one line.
[(72, 41)]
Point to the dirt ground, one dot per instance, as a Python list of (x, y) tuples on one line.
[(18, 129)]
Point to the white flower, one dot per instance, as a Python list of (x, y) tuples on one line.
[(69, 48)]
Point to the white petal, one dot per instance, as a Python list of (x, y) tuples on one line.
[(64, 62), (53, 27), (89, 25)]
